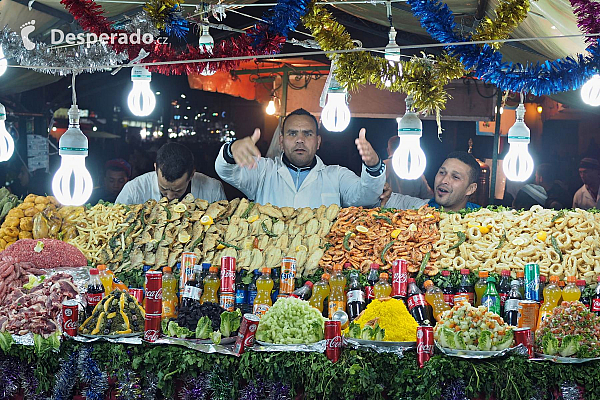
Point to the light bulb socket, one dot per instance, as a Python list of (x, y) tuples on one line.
[(334, 86), (73, 142), (140, 74), (410, 124), (519, 132)]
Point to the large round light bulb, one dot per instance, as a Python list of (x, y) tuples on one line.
[(409, 160), (3, 62), (336, 114), (590, 92), (7, 144), (141, 99), (206, 44), (270, 110), (72, 184), (518, 164)]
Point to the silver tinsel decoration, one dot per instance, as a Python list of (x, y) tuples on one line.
[(570, 391)]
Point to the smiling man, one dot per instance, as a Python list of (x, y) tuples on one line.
[(298, 177), (174, 177), (454, 182)]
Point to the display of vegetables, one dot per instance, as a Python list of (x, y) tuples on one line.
[(570, 331), (7, 202), (391, 316), (465, 327), (212, 322), (371, 331), (291, 321), (18, 223), (119, 313)]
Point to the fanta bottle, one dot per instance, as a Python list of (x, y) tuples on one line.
[(480, 287), (117, 284), (264, 285), (337, 296), (435, 298), (571, 292), (169, 294), (320, 292), (106, 277), (382, 288), (552, 295), (212, 282)]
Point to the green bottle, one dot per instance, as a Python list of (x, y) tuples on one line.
[(491, 298)]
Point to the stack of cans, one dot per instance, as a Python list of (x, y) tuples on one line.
[(227, 296), (153, 305), (188, 261)]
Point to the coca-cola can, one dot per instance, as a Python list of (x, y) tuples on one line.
[(153, 292), (138, 294), (399, 278), (424, 344), (245, 337), (151, 328), (524, 336), (70, 317), (186, 272), (227, 274), (333, 340)]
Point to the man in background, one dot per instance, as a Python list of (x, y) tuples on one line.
[(587, 195), (558, 196), (530, 195), (410, 187), (116, 174)]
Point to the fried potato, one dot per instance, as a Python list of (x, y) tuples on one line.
[(312, 227), (332, 212), (26, 224), (270, 210)]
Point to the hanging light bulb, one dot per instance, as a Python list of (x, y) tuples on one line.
[(518, 164), (270, 110), (141, 99), (72, 184), (7, 144), (590, 92), (392, 54), (336, 114), (409, 159), (3, 62), (207, 42)]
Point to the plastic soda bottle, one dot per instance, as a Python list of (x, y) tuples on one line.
[(106, 277), (511, 304), (504, 288), (303, 293), (320, 292), (552, 293), (465, 291), (571, 292), (337, 295), (372, 278), (595, 300), (435, 298), (480, 287), (491, 298), (212, 282), (356, 297), (264, 285), (382, 288), (584, 300), (94, 293), (521, 279), (169, 293), (448, 289)]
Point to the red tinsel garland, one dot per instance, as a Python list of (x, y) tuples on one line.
[(90, 16)]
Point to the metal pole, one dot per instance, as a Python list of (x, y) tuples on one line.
[(284, 90), (495, 150)]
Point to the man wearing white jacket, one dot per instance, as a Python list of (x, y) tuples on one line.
[(298, 178)]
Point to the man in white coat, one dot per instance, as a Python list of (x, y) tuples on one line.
[(298, 177)]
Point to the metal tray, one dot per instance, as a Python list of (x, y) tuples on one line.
[(383, 343), (479, 354), (284, 345), (227, 340), (136, 334), (565, 360)]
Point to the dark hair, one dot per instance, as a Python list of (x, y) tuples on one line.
[(393, 142), (547, 172), (468, 159), (174, 160), (300, 111)]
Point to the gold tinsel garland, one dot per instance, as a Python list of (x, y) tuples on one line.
[(161, 10), (509, 14)]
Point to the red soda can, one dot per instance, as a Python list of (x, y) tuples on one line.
[(138, 294), (227, 274), (227, 301), (70, 317), (524, 336), (399, 278), (245, 337), (154, 292), (151, 328), (188, 261), (424, 344), (288, 275), (333, 340)]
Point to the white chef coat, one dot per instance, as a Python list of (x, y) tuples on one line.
[(145, 187), (583, 199), (272, 182)]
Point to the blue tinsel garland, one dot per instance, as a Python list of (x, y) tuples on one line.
[(280, 19), (80, 363), (559, 75)]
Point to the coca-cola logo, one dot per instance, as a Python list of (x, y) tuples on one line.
[(419, 334), (252, 328), (227, 274), (68, 312), (416, 300), (595, 304), (94, 298), (154, 294), (249, 341), (70, 324), (400, 278), (151, 335), (333, 342), (424, 348)]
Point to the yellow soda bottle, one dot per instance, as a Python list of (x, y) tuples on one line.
[(212, 282), (382, 288), (480, 287), (264, 286), (435, 298), (571, 292), (320, 292), (337, 295), (169, 294), (552, 294), (106, 277)]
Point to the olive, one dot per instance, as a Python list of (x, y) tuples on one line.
[(106, 331), (134, 317)]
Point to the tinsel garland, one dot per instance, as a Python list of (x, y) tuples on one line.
[(454, 390), (80, 364), (509, 14), (208, 385), (571, 391), (550, 77), (259, 389), (129, 387), (17, 373), (588, 17), (166, 15), (9, 378)]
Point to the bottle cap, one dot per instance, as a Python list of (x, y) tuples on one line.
[(491, 279), (325, 276), (580, 282), (543, 279), (374, 266), (266, 270), (101, 267), (213, 270), (428, 283), (571, 279), (465, 271), (94, 271), (515, 282), (411, 280), (598, 278), (167, 270), (505, 272), (309, 284), (484, 274), (520, 274), (205, 265), (554, 279), (445, 273), (347, 266), (561, 283), (384, 276)]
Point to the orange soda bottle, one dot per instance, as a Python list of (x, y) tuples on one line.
[(264, 286), (212, 282), (571, 292), (435, 298), (106, 277), (480, 287), (382, 288), (320, 292), (169, 294), (552, 294), (337, 295)]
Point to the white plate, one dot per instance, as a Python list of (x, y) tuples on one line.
[(565, 360)]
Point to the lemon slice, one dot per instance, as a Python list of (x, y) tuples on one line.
[(301, 247), (362, 229), (220, 246), (252, 219), (396, 233), (352, 234), (180, 208), (206, 220), (412, 227), (542, 236), (184, 237)]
